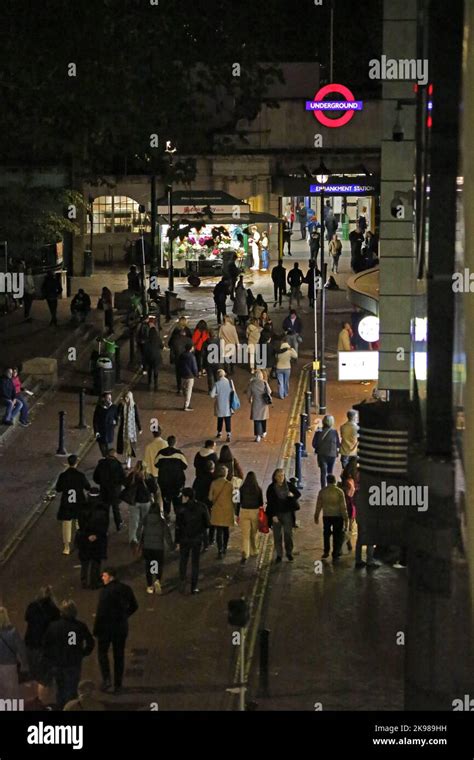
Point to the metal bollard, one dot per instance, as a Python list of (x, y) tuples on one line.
[(62, 432), (117, 363), (82, 412), (303, 429), (298, 476), (264, 650)]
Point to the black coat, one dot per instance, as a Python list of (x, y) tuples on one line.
[(93, 521), (64, 650), (152, 353), (50, 288), (104, 421), (277, 506), (116, 604), (192, 520), (39, 614), (279, 276), (121, 418), (171, 465), (71, 483), (110, 476), (220, 293)]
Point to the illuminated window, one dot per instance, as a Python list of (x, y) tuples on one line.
[(117, 213)]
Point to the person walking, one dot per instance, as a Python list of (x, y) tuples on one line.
[(293, 327), (92, 538), (200, 336), (314, 244), (152, 356), (330, 221), (240, 308), (192, 524), (201, 485), (106, 304), (129, 428), (302, 214), (133, 280), (104, 422), (203, 456), (279, 283), (335, 250), (234, 470), (313, 283), (295, 280), (220, 293), (110, 477), (349, 478), (349, 438), (287, 233), (251, 499), (171, 465), (264, 243), (229, 341), (66, 642), (38, 615), (152, 450), (344, 339), (116, 605), (29, 294), (260, 398), (188, 372), (178, 343), (254, 241), (13, 658), (72, 485), (211, 358), (232, 275), (156, 537), (282, 503), (222, 514), (326, 445), (332, 503), (51, 290), (356, 238), (222, 391), (253, 337), (283, 366), (138, 493)]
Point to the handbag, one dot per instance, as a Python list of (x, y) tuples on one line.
[(234, 401), (263, 521), (267, 399)]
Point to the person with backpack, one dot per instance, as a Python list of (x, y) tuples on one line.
[(192, 523), (326, 444)]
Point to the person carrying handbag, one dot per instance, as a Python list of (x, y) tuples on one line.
[(282, 503), (260, 398)]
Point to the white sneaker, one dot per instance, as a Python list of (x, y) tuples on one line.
[(258, 439), (157, 587), (228, 437), (150, 590), (67, 549), (264, 435)]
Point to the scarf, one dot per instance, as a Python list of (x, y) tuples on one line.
[(129, 425)]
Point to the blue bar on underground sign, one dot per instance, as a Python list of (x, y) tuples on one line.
[(334, 105)]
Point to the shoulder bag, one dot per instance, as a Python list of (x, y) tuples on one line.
[(234, 400)]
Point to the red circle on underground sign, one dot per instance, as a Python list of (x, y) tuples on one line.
[(340, 121)]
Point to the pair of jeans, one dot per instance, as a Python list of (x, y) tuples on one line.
[(187, 548), (283, 377), (152, 371), (118, 639), (249, 528), (188, 383), (295, 292), (335, 262), (222, 539), (220, 422), (326, 466), (265, 259), (12, 411), (283, 531), (67, 681), (333, 526), (260, 427), (278, 293), (154, 561), (115, 505), (168, 500), (136, 516)]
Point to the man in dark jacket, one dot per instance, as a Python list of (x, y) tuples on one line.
[(178, 344), (211, 351), (188, 372), (356, 239), (80, 306), (205, 455), (220, 293), (233, 273), (50, 291), (66, 642), (314, 244), (92, 539), (192, 522), (295, 279), (171, 465), (9, 400), (72, 485), (116, 604), (104, 421), (110, 476), (310, 279), (279, 282)]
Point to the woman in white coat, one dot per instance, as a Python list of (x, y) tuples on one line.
[(229, 341), (257, 391), (221, 392)]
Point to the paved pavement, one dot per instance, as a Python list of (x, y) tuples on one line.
[(180, 652)]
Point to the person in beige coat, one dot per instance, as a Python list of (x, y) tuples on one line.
[(222, 513), (229, 341), (253, 337), (283, 367)]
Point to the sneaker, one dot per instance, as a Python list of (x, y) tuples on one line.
[(399, 566), (67, 549), (188, 409), (264, 435), (278, 560), (374, 565), (157, 587), (258, 439), (25, 424), (150, 590), (228, 437), (195, 591), (219, 435)]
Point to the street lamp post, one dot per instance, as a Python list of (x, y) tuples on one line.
[(322, 180), (170, 150)]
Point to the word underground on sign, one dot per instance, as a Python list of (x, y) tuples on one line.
[(348, 106)]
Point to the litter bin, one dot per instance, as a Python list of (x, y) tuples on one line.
[(104, 376), (109, 347), (88, 264)]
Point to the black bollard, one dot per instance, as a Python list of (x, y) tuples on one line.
[(131, 360), (298, 476), (62, 432), (303, 429), (117, 363), (264, 651), (82, 411)]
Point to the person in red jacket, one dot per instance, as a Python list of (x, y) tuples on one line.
[(200, 336)]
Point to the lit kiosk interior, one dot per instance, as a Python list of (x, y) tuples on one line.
[(209, 230)]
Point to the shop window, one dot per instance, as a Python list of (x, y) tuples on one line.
[(117, 213)]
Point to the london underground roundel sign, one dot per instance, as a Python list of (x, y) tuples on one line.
[(318, 106)]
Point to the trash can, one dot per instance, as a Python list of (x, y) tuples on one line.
[(88, 264), (109, 347), (104, 379)]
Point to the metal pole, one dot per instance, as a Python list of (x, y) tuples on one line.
[(315, 315), (153, 256), (298, 447), (144, 297), (242, 671), (307, 401), (61, 450), (82, 416), (170, 238), (303, 429), (264, 647), (91, 218), (322, 365), (331, 43), (280, 230), (117, 363)]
